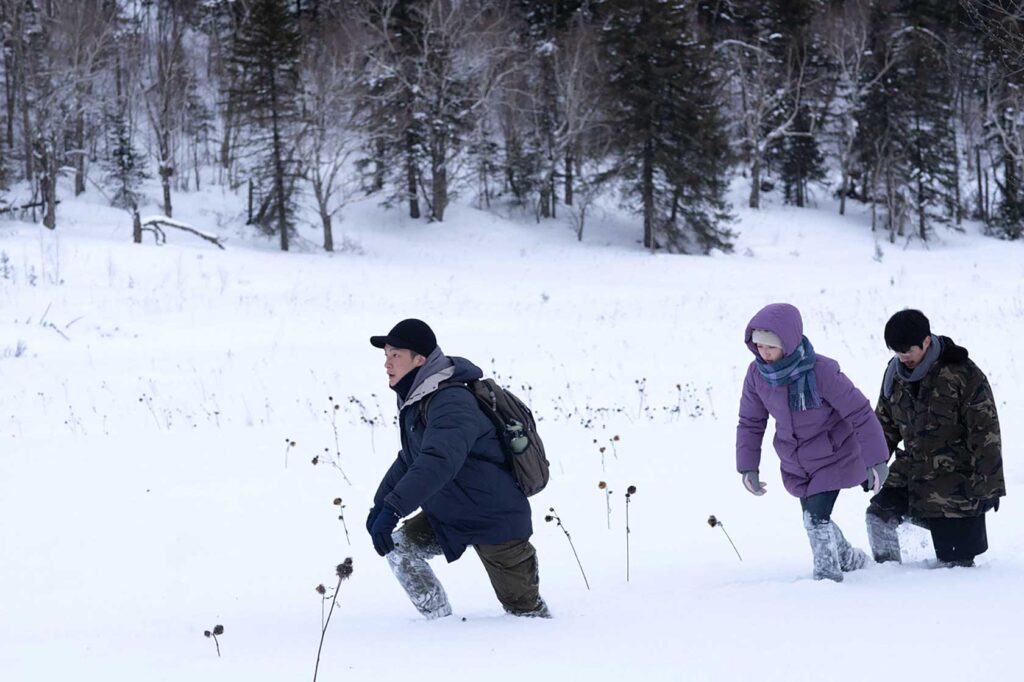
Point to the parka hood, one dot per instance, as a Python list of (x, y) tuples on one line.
[(783, 319), (439, 368)]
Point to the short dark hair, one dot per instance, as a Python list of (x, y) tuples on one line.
[(906, 329)]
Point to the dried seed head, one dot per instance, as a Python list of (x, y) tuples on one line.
[(615, 438), (218, 629), (316, 460), (206, 633), (631, 490), (712, 521), (292, 443), (549, 518), (602, 485), (320, 589), (601, 449), (344, 569), (551, 509), (337, 501)]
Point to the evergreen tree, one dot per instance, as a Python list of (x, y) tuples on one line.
[(395, 112), (798, 158), (540, 150), (797, 153), (1009, 218), (905, 128), (126, 164), (669, 143), (266, 53)]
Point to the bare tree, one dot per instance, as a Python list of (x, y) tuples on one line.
[(165, 86), (1002, 22), (442, 73), (848, 43), (331, 73), (763, 86), (66, 55)]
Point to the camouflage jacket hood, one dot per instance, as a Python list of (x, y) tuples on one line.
[(952, 452)]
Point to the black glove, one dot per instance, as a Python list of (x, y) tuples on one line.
[(381, 529), (369, 519), (987, 505)]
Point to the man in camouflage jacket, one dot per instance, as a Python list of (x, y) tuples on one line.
[(950, 470)]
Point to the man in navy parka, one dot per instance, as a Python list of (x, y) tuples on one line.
[(453, 468)]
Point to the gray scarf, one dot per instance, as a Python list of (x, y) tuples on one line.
[(898, 369)]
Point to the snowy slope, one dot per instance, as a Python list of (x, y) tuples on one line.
[(148, 489)]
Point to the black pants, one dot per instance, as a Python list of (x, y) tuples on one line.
[(819, 506), (956, 540)]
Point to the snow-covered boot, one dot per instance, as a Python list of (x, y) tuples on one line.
[(541, 611), (882, 536), (825, 548), (850, 558), (408, 562)]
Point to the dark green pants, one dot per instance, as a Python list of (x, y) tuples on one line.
[(511, 567)]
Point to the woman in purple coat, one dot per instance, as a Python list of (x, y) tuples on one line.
[(826, 434)]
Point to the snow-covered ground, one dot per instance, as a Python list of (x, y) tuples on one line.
[(149, 488)]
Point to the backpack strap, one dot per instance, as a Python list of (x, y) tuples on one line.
[(425, 402)]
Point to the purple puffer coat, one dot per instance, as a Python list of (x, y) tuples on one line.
[(825, 448)]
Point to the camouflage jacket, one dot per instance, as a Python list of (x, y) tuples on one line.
[(951, 459)]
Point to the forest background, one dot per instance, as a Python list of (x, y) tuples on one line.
[(913, 106)]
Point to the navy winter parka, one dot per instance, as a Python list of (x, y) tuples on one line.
[(453, 466)]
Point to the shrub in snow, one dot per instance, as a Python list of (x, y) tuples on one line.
[(630, 491), (715, 523), (554, 517), (607, 501), (217, 630), (344, 572), (341, 516)]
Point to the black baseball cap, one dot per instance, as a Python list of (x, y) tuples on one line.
[(411, 334)]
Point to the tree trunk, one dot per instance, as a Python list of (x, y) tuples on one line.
[(195, 162), (9, 91), (568, 179), (981, 192), (755, 183), (80, 151), (544, 200), (439, 181), (957, 218), (843, 190), (554, 195), (282, 214), (378, 164), (988, 199), (921, 212), (647, 190), (166, 170), (27, 130), (225, 145), (410, 177), (136, 228), (48, 185), (325, 218)]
